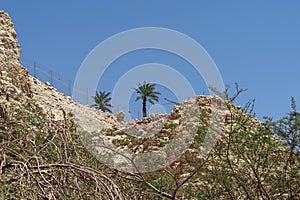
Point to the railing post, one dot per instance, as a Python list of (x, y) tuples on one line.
[(34, 70), (69, 88), (51, 78)]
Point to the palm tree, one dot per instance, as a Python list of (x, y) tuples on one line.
[(146, 93), (102, 101)]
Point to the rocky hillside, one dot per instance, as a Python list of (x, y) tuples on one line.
[(49, 145), (17, 83), (14, 77), (41, 156)]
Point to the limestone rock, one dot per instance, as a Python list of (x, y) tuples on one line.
[(174, 113), (120, 116), (17, 85), (15, 74)]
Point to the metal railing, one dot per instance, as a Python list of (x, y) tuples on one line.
[(46, 74)]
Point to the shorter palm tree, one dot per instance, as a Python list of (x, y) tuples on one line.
[(102, 100), (146, 93)]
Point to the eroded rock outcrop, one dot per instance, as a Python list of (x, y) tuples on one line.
[(14, 77), (17, 86)]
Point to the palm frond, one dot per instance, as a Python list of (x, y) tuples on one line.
[(102, 100), (146, 92)]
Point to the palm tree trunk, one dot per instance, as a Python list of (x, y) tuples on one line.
[(102, 108), (144, 107)]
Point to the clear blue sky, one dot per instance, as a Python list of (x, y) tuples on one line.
[(255, 43)]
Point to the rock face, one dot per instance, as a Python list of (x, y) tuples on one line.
[(16, 85), (14, 78), (9, 46)]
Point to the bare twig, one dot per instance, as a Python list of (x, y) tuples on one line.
[(3, 163)]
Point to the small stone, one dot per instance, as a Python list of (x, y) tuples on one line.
[(120, 116)]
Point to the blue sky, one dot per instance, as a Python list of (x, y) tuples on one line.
[(254, 43)]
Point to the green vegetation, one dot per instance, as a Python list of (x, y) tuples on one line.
[(287, 128), (146, 93), (102, 100), (45, 159)]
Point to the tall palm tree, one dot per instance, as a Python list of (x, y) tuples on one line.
[(102, 100), (146, 93)]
